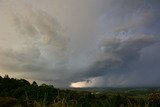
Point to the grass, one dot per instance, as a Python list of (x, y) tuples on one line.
[(152, 100)]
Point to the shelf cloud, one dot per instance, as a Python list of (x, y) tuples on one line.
[(93, 43)]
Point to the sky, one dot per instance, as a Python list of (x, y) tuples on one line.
[(81, 43)]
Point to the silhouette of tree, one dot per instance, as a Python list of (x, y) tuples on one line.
[(34, 83)]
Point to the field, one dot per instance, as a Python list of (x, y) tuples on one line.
[(20, 93)]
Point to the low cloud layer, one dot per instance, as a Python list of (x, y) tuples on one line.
[(84, 43)]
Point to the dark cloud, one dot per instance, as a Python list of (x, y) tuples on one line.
[(116, 55), (124, 46), (105, 43)]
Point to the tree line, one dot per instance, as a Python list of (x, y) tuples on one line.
[(21, 93)]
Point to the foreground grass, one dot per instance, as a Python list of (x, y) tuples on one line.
[(86, 100)]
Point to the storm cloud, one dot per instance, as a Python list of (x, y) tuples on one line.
[(101, 43)]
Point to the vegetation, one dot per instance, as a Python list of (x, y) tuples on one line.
[(20, 93)]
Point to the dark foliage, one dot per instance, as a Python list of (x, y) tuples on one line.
[(21, 92)]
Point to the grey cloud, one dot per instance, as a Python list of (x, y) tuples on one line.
[(117, 55), (39, 42), (123, 45), (108, 39)]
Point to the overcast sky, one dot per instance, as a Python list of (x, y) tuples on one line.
[(81, 43)]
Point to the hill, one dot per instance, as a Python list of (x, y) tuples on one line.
[(21, 93)]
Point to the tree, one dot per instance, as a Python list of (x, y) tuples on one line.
[(6, 76), (34, 83)]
